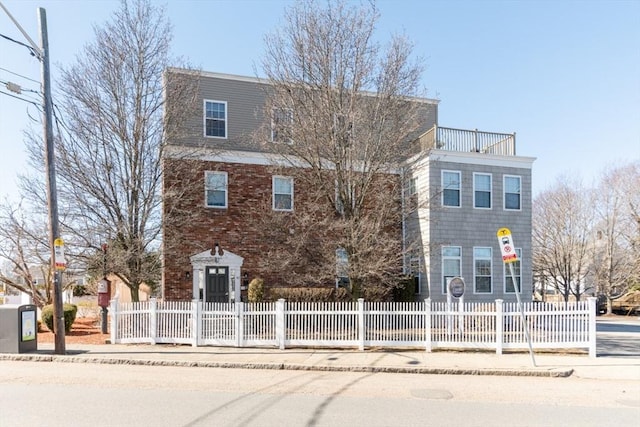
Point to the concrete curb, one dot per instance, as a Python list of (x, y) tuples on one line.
[(523, 372)]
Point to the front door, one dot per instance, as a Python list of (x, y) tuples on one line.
[(217, 285)]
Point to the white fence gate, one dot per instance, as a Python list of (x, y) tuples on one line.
[(429, 325)]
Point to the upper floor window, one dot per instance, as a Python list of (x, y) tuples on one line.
[(451, 188), (517, 272), (216, 189), (281, 122), (451, 264), (482, 270), (282, 193), (512, 192), (482, 190), (342, 267), (215, 119)]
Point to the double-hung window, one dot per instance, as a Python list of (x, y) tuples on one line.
[(215, 189), (282, 193), (512, 192), (451, 188), (342, 268), (482, 270), (215, 119), (517, 272), (451, 264), (281, 123), (482, 190)]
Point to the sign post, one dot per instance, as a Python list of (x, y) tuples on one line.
[(509, 256)]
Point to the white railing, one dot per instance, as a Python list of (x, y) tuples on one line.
[(429, 325)]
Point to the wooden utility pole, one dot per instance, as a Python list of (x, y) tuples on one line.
[(54, 233)]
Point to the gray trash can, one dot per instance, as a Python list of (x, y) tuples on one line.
[(18, 328)]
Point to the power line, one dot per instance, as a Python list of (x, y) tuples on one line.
[(21, 99), (22, 89), (20, 75)]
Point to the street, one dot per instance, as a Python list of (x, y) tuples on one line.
[(79, 394)]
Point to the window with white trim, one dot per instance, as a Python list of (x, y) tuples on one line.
[(282, 187), (508, 280), (482, 270), (451, 188), (482, 190), (215, 119), (451, 264), (281, 122), (415, 271), (215, 184), (512, 192), (342, 268)]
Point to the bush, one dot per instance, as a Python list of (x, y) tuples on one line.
[(256, 290), (69, 310), (405, 291)]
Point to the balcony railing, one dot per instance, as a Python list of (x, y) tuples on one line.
[(449, 139)]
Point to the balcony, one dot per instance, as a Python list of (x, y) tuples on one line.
[(449, 139)]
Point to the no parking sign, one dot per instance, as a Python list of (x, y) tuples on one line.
[(506, 245)]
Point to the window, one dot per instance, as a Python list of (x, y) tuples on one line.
[(482, 190), (281, 121), (415, 271), (342, 268), (451, 188), (215, 119), (216, 189), (508, 280), (282, 193), (348, 188), (451, 264), (411, 187), (512, 192), (482, 270)]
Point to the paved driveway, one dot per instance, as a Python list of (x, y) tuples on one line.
[(618, 336)]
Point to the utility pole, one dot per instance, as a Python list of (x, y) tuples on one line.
[(54, 233), (42, 53)]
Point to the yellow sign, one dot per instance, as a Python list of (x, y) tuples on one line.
[(58, 248), (506, 245)]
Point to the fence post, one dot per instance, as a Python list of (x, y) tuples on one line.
[(196, 321), (153, 320), (239, 324), (114, 320), (427, 324), (499, 325), (592, 326), (361, 333), (280, 323)]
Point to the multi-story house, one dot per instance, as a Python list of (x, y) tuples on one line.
[(460, 189)]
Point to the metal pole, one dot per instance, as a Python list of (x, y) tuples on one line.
[(525, 325), (58, 311)]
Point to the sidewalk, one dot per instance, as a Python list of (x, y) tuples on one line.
[(401, 361)]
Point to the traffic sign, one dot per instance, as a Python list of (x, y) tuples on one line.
[(506, 245)]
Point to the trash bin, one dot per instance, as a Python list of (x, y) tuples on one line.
[(18, 328)]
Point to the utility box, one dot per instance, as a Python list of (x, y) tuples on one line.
[(18, 328)]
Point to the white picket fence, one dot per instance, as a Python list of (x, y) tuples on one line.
[(426, 324)]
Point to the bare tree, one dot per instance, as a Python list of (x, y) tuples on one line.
[(615, 251), (562, 238), (24, 245), (342, 112), (112, 139)]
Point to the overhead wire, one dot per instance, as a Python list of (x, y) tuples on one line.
[(31, 49), (19, 75)]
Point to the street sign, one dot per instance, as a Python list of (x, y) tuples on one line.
[(58, 247), (506, 245)]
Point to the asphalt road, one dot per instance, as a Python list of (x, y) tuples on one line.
[(63, 394), (618, 337)]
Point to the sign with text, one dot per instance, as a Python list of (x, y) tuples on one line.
[(506, 245)]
